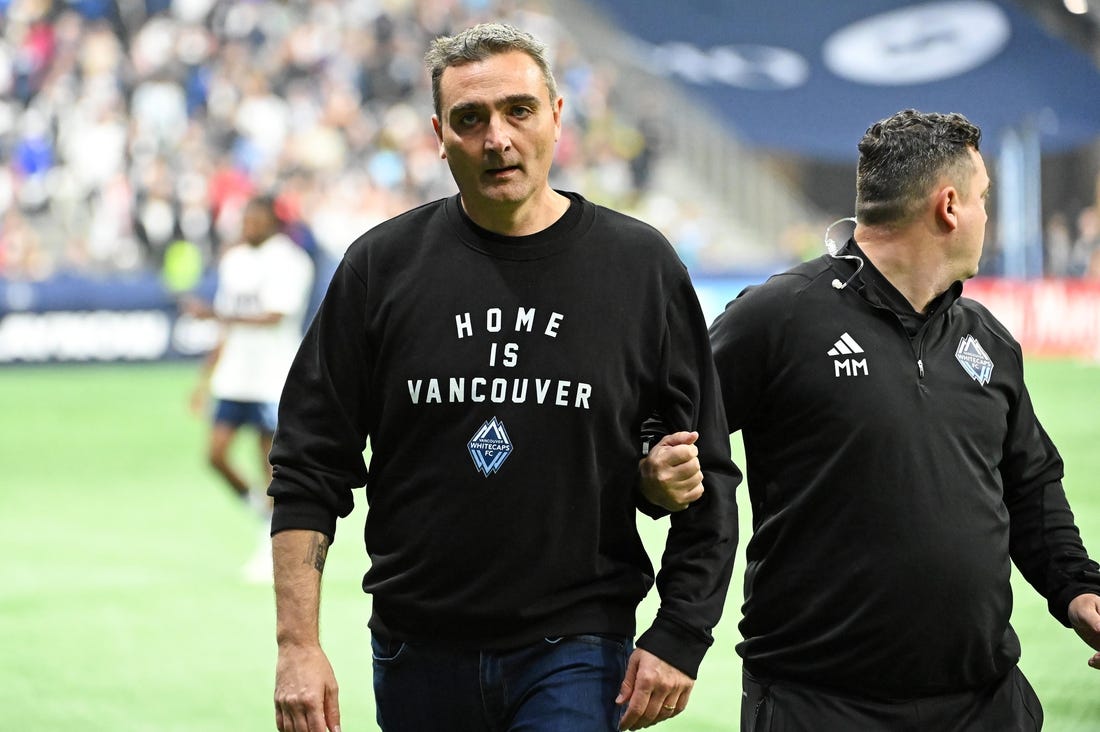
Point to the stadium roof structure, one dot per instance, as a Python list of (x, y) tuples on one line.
[(807, 78)]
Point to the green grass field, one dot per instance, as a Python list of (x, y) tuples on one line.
[(122, 607)]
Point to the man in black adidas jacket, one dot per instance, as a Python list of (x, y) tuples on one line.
[(896, 468)]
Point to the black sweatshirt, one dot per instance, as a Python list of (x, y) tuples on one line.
[(895, 465), (503, 382)]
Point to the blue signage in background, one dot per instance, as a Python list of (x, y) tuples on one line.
[(808, 77), (83, 319)]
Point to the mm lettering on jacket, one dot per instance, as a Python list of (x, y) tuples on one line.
[(458, 390), (494, 322)]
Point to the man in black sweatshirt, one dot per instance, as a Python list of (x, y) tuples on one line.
[(501, 349), (896, 466)]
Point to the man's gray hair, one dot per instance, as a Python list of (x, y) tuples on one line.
[(479, 43)]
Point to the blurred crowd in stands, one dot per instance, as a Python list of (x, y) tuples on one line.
[(132, 129), (1072, 243)]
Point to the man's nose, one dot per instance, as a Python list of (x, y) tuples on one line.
[(497, 138)]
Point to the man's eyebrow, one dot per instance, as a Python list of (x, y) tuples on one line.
[(529, 99), (464, 107)]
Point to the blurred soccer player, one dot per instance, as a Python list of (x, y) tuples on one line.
[(263, 289), (500, 348), (896, 466)]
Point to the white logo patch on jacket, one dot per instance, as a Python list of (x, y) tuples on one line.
[(974, 359)]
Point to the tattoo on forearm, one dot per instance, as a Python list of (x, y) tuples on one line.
[(317, 553)]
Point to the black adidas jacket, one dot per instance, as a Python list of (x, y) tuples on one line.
[(502, 382), (892, 479)]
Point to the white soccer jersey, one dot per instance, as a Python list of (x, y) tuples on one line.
[(274, 277)]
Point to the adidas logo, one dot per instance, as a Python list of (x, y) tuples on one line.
[(847, 346)]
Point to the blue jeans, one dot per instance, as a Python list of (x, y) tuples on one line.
[(555, 684)]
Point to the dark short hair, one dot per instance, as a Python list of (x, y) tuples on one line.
[(902, 157), (264, 201), (477, 44)]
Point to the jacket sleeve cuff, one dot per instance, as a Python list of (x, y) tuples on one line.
[(289, 514), (1059, 604), (675, 645)]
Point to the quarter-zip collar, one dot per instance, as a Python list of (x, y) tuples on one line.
[(879, 291)]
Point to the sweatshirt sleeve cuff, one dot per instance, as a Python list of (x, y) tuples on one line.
[(296, 514), (649, 509), (675, 645)]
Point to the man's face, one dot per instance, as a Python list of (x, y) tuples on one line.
[(972, 217), (257, 224), (497, 128)]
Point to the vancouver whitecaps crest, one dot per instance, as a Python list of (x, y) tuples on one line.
[(974, 359), (490, 447)]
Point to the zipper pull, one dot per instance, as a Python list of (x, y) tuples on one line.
[(920, 367)]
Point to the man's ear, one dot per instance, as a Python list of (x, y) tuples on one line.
[(947, 203), (438, 127)]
